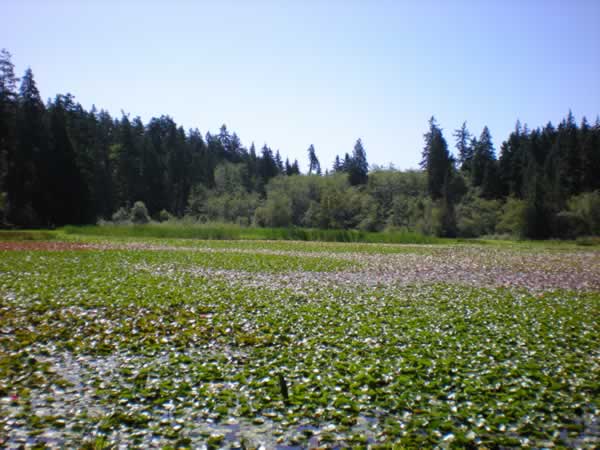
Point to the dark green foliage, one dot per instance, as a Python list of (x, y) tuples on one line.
[(231, 232), (463, 145), (337, 164), (27, 163), (313, 161), (478, 216), (589, 145), (537, 212), (66, 188), (512, 162), (8, 115), (357, 166), (484, 169), (436, 160), (139, 213)]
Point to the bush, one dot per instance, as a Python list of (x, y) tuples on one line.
[(276, 212), (588, 241), (477, 217), (164, 216), (443, 219), (512, 219), (569, 225), (121, 216), (139, 213), (582, 216)]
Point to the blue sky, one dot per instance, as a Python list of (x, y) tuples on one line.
[(294, 73)]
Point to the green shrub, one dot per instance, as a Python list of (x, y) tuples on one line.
[(165, 216), (276, 212), (139, 213), (588, 241), (512, 218), (121, 216), (477, 216), (586, 207)]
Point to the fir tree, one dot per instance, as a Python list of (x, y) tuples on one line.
[(435, 160), (27, 177), (465, 151), (313, 161), (8, 120), (337, 165), (359, 167)]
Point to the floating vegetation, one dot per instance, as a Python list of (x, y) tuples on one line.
[(154, 345)]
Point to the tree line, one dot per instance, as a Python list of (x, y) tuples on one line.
[(61, 164)]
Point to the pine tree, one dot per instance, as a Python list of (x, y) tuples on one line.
[(465, 151), (337, 165), (571, 163), (267, 165), (435, 160), (66, 189), (485, 171), (347, 163), (178, 167), (295, 168), (8, 125), (27, 180), (537, 214), (359, 167), (590, 153), (512, 162), (224, 139), (313, 161), (102, 188), (482, 156), (279, 162)]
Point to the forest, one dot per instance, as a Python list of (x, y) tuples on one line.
[(61, 164)]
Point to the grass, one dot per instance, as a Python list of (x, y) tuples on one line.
[(180, 348), (233, 232), (27, 235), (229, 232)]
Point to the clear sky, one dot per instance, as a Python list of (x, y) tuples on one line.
[(291, 73)]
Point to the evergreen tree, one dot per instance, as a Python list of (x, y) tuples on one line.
[(252, 165), (359, 167), (512, 162), (126, 157), (537, 214), (337, 164), (590, 154), (295, 168), (571, 165), (279, 162), (178, 166), (465, 151), (267, 165), (102, 188), (224, 139), (66, 189), (27, 178), (156, 167), (199, 156), (347, 163), (8, 127), (288, 167), (483, 156), (436, 160), (313, 161)]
